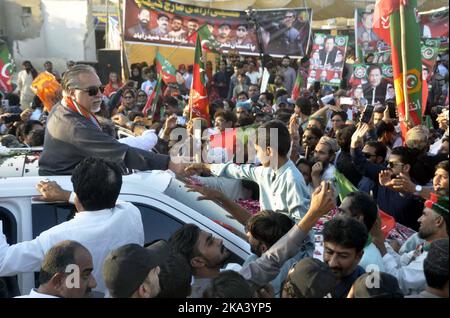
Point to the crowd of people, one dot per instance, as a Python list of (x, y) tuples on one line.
[(294, 182)]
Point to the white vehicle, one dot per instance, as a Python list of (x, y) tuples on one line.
[(163, 200)]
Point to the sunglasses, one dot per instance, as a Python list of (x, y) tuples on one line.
[(392, 164), (368, 155), (92, 90)]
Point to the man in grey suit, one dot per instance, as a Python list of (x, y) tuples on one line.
[(163, 26), (73, 133)]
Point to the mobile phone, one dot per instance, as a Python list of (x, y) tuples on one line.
[(346, 101), (367, 114), (181, 121)]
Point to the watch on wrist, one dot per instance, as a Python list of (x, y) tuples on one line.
[(418, 189)]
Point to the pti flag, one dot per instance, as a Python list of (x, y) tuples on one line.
[(6, 68), (387, 15), (167, 70), (152, 100), (297, 86), (198, 96), (208, 41)]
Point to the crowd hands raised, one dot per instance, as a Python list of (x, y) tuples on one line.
[(295, 181)]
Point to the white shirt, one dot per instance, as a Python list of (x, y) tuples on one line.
[(254, 77), (34, 294), (99, 231), (146, 141)]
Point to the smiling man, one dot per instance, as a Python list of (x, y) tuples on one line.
[(73, 132)]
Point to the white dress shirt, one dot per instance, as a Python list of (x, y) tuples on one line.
[(146, 141), (99, 231), (34, 294)]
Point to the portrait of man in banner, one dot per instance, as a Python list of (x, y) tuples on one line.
[(142, 27), (163, 25), (327, 55), (376, 88), (242, 36), (176, 28)]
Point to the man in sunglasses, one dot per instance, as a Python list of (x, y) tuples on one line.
[(73, 132), (406, 208)]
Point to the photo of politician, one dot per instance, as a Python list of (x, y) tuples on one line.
[(376, 88)]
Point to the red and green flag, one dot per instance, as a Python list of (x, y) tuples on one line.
[(165, 69), (152, 100), (198, 96), (297, 86), (208, 41), (387, 24), (6, 68)]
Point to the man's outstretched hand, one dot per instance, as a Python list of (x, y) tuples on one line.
[(51, 192)]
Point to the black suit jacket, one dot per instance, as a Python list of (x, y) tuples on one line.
[(380, 92), (331, 56), (70, 137)]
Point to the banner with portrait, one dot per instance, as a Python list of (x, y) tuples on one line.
[(165, 23), (380, 76), (366, 41), (434, 24), (327, 59)]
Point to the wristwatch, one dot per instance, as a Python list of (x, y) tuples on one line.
[(418, 189)]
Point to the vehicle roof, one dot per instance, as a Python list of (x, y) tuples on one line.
[(136, 183)]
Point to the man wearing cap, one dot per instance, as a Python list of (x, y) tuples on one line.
[(309, 278), (243, 111), (131, 271), (408, 268), (386, 287), (435, 268)]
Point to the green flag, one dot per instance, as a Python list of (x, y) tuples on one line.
[(343, 185), (165, 69), (208, 41), (6, 68)]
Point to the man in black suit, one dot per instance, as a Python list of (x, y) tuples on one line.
[(327, 55), (142, 27), (375, 89)]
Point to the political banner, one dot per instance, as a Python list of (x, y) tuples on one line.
[(434, 24), (366, 41), (372, 82), (165, 23), (327, 59)]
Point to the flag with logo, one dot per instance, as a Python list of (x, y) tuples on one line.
[(152, 100), (6, 68), (297, 86), (343, 185), (198, 96), (208, 41), (387, 24), (165, 69)]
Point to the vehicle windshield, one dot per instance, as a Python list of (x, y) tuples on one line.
[(210, 209)]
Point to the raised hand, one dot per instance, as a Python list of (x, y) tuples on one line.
[(385, 178)]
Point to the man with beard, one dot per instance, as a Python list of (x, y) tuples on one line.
[(73, 132), (53, 275), (207, 254), (324, 154), (142, 27), (310, 138), (224, 33), (408, 268), (344, 239), (177, 28), (163, 25)]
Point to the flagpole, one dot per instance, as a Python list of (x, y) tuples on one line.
[(404, 62)]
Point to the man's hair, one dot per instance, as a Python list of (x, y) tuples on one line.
[(71, 77), (161, 15), (175, 277), (315, 131), (57, 259), (133, 114), (242, 25), (281, 91), (380, 148), (229, 284), (363, 204), (344, 137), (435, 265), (171, 101), (379, 109), (177, 17), (346, 232), (286, 57), (405, 154), (284, 138), (341, 114), (374, 67), (183, 241), (242, 92), (193, 20), (224, 24), (25, 128), (97, 183), (269, 226), (304, 104), (383, 127), (36, 139), (227, 115), (442, 165), (269, 96)]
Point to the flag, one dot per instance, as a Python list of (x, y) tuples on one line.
[(343, 185), (165, 69), (6, 68), (208, 41), (198, 96), (152, 100), (387, 17), (297, 86), (47, 88)]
